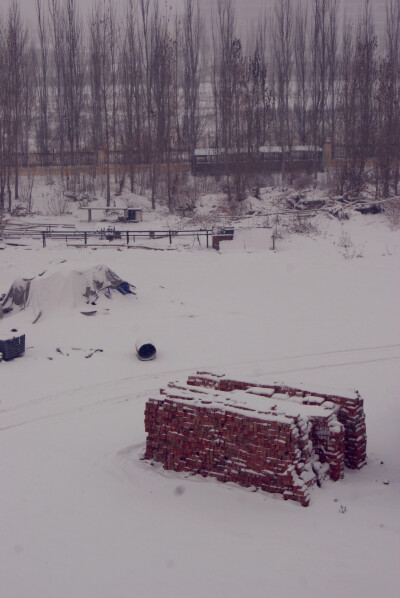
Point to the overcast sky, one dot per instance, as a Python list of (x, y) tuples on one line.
[(246, 10)]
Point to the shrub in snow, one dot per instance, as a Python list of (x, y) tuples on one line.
[(58, 204), (391, 210), (347, 248)]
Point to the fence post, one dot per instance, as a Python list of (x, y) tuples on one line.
[(85, 237), (44, 238), (127, 237), (170, 237), (207, 238)]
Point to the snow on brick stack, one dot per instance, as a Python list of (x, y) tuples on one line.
[(350, 409), (276, 438)]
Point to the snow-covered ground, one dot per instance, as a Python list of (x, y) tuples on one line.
[(82, 515)]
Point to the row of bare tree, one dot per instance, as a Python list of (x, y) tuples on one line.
[(146, 81)]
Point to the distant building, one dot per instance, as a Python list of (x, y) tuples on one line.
[(215, 161)]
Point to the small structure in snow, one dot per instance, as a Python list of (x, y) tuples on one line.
[(280, 439), (145, 350), (63, 286), (11, 345), (222, 234), (214, 161), (124, 214)]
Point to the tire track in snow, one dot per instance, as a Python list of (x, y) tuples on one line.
[(87, 397), (316, 355), (111, 384), (328, 366)]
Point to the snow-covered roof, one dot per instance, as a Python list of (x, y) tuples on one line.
[(264, 149), (270, 149), (217, 151), (208, 151), (276, 149)]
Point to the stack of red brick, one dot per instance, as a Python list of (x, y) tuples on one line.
[(279, 439), (229, 446), (350, 409)]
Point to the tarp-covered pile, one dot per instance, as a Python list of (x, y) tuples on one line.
[(65, 286)]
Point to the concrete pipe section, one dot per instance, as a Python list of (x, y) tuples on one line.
[(145, 350)]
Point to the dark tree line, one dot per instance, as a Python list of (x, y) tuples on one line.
[(146, 82)]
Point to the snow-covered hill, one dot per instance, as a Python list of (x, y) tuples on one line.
[(82, 515)]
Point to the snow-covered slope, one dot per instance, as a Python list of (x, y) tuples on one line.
[(82, 515)]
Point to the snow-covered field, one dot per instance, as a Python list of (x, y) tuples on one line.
[(81, 515)]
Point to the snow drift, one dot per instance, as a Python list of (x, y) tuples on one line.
[(63, 286)]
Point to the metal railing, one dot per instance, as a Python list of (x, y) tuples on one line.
[(91, 158), (82, 237)]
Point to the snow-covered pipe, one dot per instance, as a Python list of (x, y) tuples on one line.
[(145, 349)]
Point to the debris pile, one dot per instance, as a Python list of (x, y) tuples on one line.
[(65, 286)]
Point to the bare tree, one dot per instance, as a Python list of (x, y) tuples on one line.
[(28, 101), (318, 75), (266, 93), (95, 82), (283, 67), (114, 33), (357, 93), (101, 40), (136, 81), (192, 31), (332, 65), (42, 79), (365, 75), (4, 115), (157, 58), (69, 66), (226, 24), (226, 55), (301, 66), (58, 43), (73, 77), (130, 77), (347, 103), (256, 101), (162, 96), (387, 105), (17, 39), (241, 82), (146, 57)]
